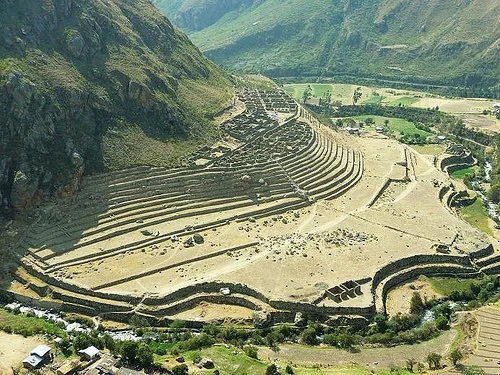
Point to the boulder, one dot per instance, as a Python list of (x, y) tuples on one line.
[(299, 320), (261, 319), (23, 190), (198, 238), (206, 363), (75, 43), (189, 242), (180, 359), (225, 291), (246, 179)]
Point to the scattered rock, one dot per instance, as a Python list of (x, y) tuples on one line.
[(206, 363), (198, 238), (299, 320), (180, 359), (189, 242), (246, 178)]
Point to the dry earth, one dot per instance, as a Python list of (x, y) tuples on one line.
[(13, 349), (385, 357), (392, 212)]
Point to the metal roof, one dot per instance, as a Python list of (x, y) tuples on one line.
[(41, 350)]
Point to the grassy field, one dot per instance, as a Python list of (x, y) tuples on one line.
[(432, 149), (240, 364), (342, 92), (401, 126), (446, 285), (405, 101), (476, 215), (26, 325), (460, 173)]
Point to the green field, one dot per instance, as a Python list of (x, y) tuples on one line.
[(432, 149), (446, 285), (459, 174), (27, 325), (476, 215), (342, 92), (405, 101), (401, 126)]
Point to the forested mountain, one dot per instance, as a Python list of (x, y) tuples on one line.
[(446, 42), (88, 85)]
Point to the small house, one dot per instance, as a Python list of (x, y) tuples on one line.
[(37, 358), (89, 354), (33, 362), (42, 351)]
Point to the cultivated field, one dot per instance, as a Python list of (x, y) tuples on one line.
[(470, 110), (487, 354), (283, 215)]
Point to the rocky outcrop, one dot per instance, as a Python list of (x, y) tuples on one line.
[(72, 70)]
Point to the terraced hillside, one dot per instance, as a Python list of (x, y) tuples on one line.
[(444, 42), (268, 224)]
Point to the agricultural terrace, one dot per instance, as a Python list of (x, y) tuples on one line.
[(282, 216)]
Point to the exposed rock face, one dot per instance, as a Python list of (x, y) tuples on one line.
[(261, 319), (72, 70)]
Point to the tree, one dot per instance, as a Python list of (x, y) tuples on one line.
[(416, 304), (356, 96), (307, 94), (434, 360), (309, 336), (180, 370), (455, 356), (441, 323), (420, 367), (410, 363), (289, 369), (474, 370), (251, 351), (144, 355), (129, 350), (81, 341), (272, 370)]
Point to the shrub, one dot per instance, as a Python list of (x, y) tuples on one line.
[(251, 351), (441, 323)]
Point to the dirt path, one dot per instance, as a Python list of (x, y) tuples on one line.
[(13, 349), (386, 357)]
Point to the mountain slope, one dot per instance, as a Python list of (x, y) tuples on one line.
[(442, 41), (96, 84)]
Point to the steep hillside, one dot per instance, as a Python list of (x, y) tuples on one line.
[(90, 85), (446, 42)]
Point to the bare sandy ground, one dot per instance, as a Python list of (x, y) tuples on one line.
[(302, 252), (296, 255), (398, 299), (13, 349)]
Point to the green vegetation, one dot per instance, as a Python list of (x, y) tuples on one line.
[(403, 127), (476, 215), (447, 285), (323, 39), (114, 83), (475, 292), (27, 325), (431, 149), (404, 101), (228, 362), (461, 173)]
